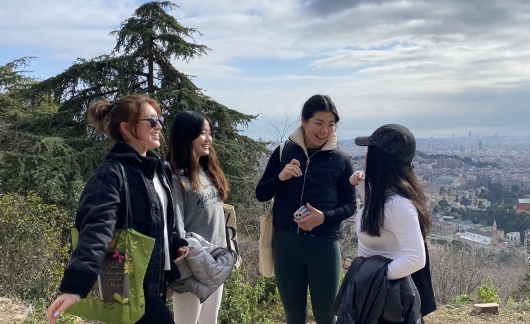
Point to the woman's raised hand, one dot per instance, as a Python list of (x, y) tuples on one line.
[(356, 178), (291, 170)]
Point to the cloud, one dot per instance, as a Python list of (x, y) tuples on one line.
[(440, 63)]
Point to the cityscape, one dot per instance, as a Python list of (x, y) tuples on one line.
[(478, 187)]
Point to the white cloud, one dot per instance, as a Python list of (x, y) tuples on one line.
[(379, 60)]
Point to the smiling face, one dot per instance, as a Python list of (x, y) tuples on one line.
[(147, 137), (318, 129), (201, 145)]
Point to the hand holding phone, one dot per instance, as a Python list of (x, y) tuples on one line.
[(301, 213)]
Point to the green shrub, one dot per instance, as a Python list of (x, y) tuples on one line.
[(244, 303), (488, 293), (33, 247), (518, 306), (462, 300)]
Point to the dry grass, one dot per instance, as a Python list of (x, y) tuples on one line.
[(451, 314)]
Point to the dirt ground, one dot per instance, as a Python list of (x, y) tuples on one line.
[(462, 315), (14, 313)]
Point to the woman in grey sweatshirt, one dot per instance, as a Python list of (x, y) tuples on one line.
[(199, 189)]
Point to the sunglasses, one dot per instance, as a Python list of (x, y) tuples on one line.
[(155, 119)]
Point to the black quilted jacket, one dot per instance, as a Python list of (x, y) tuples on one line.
[(102, 209)]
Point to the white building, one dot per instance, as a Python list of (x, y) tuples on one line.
[(478, 236), (514, 237)]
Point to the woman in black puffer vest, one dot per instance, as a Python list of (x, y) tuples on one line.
[(313, 172)]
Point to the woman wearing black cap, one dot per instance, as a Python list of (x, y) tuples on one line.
[(395, 219)]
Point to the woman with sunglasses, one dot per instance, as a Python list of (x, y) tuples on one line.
[(313, 173), (134, 123), (199, 189)]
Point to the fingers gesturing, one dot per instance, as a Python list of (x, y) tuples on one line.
[(291, 170)]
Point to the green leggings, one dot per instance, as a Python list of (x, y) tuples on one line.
[(302, 260)]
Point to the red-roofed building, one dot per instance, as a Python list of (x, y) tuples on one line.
[(523, 206)]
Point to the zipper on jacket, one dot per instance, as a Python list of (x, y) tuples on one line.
[(303, 185), (305, 173)]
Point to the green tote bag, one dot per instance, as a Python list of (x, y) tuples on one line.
[(118, 295)]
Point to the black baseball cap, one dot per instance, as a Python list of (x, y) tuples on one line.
[(393, 139)]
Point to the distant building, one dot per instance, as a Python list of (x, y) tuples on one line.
[(463, 226), (486, 203), (445, 180), (479, 236), (480, 145), (443, 228), (523, 206), (514, 237), (469, 134)]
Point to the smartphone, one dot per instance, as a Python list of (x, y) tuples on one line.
[(301, 213)]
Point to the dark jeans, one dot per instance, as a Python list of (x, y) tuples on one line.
[(302, 260), (156, 312)]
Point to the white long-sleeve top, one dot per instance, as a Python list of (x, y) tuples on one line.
[(400, 239)]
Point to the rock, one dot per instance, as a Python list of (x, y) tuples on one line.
[(11, 312), (488, 308)]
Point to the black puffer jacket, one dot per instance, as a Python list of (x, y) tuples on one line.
[(368, 297), (324, 184), (102, 209)]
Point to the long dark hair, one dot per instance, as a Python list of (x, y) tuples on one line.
[(187, 127), (385, 171)]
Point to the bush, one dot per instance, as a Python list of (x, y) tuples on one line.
[(520, 306), (244, 303), (33, 247), (488, 293), (462, 300)]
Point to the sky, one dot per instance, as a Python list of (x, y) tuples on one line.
[(438, 67)]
